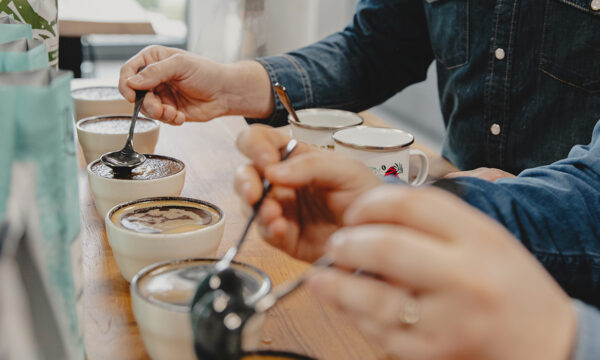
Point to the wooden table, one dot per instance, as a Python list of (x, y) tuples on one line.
[(299, 323)]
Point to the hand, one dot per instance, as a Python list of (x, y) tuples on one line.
[(186, 87), (480, 294), (312, 189), (483, 173)]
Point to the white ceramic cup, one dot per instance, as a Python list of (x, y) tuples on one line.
[(317, 125), (109, 192), (134, 251), (385, 151), (165, 327), (95, 142), (99, 100)]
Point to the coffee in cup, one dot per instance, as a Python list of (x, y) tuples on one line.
[(165, 216), (157, 176), (99, 135), (161, 296), (146, 231), (155, 167), (99, 100)]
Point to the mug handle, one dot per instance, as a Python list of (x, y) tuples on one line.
[(423, 168)]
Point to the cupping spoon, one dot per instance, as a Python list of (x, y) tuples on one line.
[(285, 99), (127, 158), (220, 293)]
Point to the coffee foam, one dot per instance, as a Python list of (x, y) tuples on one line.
[(116, 125), (165, 217)]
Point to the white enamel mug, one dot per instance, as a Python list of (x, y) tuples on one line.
[(386, 151), (317, 125)]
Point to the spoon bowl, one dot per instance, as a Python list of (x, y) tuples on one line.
[(124, 160)]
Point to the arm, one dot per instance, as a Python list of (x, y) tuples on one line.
[(555, 211), (383, 50)]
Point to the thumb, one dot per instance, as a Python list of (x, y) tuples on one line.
[(157, 73)]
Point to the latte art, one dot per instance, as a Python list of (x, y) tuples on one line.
[(165, 217)]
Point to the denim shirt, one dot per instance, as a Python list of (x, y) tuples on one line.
[(555, 211), (519, 81)]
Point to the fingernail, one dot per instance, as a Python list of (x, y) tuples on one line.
[(135, 78)]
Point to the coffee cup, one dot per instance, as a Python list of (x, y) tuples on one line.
[(99, 135), (99, 100), (317, 125), (158, 176), (146, 231), (386, 151), (161, 295)]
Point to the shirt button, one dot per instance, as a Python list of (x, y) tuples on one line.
[(500, 52), (495, 129), (595, 5)]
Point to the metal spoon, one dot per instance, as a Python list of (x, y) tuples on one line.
[(232, 252), (127, 158), (219, 317), (285, 99)]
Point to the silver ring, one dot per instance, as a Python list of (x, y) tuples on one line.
[(411, 312)]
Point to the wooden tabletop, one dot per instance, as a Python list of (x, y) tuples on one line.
[(300, 323)]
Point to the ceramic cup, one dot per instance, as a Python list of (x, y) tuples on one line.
[(99, 135), (108, 191), (317, 125), (99, 100), (385, 151), (147, 231), (160, 296)]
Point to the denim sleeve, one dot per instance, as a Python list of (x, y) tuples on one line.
[(383, 50), (586, 345), (555, 211)]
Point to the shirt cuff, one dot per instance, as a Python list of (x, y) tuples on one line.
[(287, 71), (586, 346)]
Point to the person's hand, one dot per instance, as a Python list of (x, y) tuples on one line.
[(452, 284), (311, 191), (483, 173), (188, 87)]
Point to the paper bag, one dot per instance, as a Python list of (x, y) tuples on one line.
[(23, 55), (40, 242), (11, 29)]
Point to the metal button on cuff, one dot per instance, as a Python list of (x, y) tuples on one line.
[(495, 129), (500, 52), (595, 5)]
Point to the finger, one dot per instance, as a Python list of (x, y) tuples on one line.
[(398, 253), (248, 184), (129, 69), (172, 68), (320, 168), (262, 145), (154, 108), (361, 296), (429, 210), (395, 341)]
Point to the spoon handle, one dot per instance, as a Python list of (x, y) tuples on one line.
[(232, 252), (285, 99), (139, 99)]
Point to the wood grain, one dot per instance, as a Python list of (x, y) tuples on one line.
[(300, 323)]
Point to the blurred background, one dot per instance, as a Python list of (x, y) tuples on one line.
[(227, 31)]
